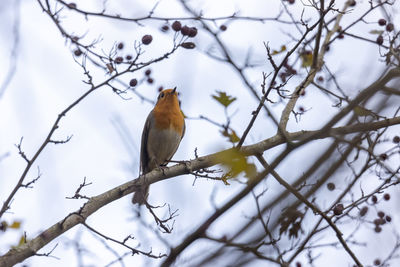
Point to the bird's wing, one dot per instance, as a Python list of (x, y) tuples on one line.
[(184, 129), (144, 157)]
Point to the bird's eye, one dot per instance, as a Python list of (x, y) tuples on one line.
[(161, 95)]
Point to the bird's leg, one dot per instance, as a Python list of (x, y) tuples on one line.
[(162, 168)]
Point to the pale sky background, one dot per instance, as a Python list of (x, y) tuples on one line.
[(47, 80)]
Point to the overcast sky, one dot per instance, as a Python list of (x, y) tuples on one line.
[(47, 79)]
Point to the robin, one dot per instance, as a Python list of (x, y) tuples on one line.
[(163, 131)]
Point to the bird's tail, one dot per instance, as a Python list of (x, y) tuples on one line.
[(140, 197)]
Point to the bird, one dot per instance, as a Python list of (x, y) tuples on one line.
[(162, 133)]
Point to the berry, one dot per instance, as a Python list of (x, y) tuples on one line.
[(341, 35), (77, 52), (363, 211), (165, 28), (388, 218), (320, 79), (379, 40), (379, 221), (120, 45), (291, 2), (383, 156), (338, 209), (128, 57), (381, 214), (71, 5), (396, 139), (222, 28), (160, 88), (146, 39), (75, 38), (377, 262), (119, 60), (378, 229), (185, 30), (298, 264), (382, 22), (374, 199), (331, 186), (188, 45), (390, 27), (133, 82), (192, 32), (353, 3), (150, 80), (386, 197), (301, 109), (147, 72), (176, 26)]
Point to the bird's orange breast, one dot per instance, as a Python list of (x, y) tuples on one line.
[(167, 114)]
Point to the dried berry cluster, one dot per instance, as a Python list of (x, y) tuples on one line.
[(389, 27)]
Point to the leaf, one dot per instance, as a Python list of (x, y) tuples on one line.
[(363, 112), (276, 52), (236, 162), (15, 225), (110, 67), (251, 170), (377, 32), (225, 178), (22, 240), (232, 136), (290, 222), (306, 59), (224, 99)]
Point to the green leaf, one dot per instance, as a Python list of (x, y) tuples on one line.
[(377, 32), (223, 98), (363, 112)]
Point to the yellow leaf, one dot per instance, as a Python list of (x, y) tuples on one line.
[(21, 240), (306, 59), (233, 138), (363, 112), (15, 225), (236, 162), (275, 52), (225, 178)]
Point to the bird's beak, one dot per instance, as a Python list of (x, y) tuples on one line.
[(174, 90)]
